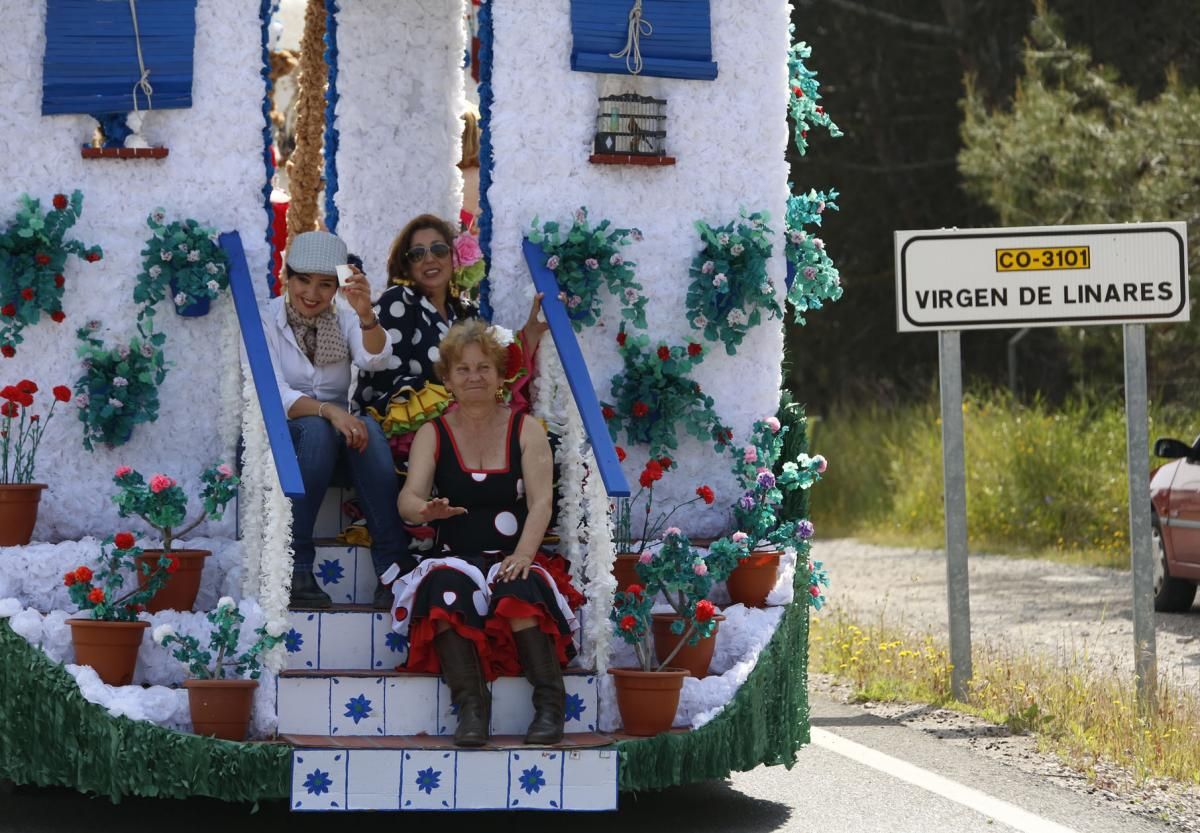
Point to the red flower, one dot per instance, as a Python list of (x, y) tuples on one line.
[(694, 349), (651, 474), (621, 338), (640, 409), (62, 393), (27, 386), (607, 412), (704, 610), (10, 409), (172, 564), (96, 596), (814, 590), (58, 316), (8, 310), (60, 201), (8, 392), (24, 399), (628, 622), (7, 351), (706, 493), (124, 541), (83, 573), (666, 462), (516, 359), (620, 454), (59, 280), (92, 257), (27, 293), (635, 590), (664, 352), (41, 259), (69, 579)]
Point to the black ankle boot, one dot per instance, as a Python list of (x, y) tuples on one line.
[(306, 593), (468, 690), (383, 597), (540, 661)]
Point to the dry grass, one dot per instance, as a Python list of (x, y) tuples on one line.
[(1083, 715)]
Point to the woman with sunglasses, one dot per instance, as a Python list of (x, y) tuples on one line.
[(416, 311)]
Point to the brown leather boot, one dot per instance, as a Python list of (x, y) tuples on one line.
[(540, 661), (468, 689)]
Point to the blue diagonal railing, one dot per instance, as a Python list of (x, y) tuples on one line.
[(259, 357), (577, 373)]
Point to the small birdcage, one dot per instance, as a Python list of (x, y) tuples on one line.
[(631, 128)]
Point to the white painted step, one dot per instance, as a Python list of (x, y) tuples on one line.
[(343, 638), (579, 780), (383, 704)]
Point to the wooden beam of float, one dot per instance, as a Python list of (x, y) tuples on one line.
[(576, 369), (261, 370)]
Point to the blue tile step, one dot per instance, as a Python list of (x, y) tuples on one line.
[(351, 702), (431, 774)]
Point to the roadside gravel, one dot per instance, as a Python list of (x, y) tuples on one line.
[(1069, 614)]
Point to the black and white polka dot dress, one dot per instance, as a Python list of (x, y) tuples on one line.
[(458, 584)]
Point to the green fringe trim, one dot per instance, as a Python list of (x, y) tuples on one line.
[(50, 735)]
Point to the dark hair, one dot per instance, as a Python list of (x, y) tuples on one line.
[(398, 265)]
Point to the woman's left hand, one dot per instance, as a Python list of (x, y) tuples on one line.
[(535, 324), (357, 293), (514, 566)]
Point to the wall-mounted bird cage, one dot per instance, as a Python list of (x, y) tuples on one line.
[(631, 130)]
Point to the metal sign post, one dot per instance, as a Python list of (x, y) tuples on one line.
[(954, 488), (1130, 274)]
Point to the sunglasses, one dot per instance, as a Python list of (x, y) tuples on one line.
[(417, 253)]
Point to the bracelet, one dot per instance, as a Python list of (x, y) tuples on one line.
[(371, 326), (321, 410)]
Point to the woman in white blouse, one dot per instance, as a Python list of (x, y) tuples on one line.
[(313, 343)]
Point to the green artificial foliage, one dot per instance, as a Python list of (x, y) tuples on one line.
[(118, 388), (51, 736), (181, 261), (795, 443)]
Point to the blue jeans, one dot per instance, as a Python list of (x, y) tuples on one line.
[(320, 449)]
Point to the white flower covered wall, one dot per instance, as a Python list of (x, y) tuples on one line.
[(215, 174), (728, 137), (399, 84)]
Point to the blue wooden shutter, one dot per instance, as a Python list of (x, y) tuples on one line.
[(91, 63), (679, 47)]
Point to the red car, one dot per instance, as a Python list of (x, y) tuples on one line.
[(1175, 496)]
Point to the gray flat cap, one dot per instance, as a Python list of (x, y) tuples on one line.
[(316, 252)]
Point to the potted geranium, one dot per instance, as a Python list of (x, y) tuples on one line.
[(162, 504), (630, 541), (109, 635), (21, 433), (181, 261), (647, 696), (221, 689), (757, 512), (118, 388)]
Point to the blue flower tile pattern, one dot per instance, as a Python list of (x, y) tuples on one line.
[(536, 779), (319, 779), (532, 780), (330, 571), (396, 642), (317, 782), (428, 780), (293, 640), (358, 708), (575, 707)]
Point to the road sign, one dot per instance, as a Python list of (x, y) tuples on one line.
[(1043, 276)]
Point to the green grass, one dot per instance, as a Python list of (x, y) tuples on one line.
[(1042, 482), (1084, 715)]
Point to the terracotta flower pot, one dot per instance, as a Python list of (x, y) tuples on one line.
[(694, 659), (111, 648), (625, 569), (18, 512), (753, 578), (181, 588), (647, 700), (221, 708)]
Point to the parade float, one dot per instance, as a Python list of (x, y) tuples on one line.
[(632, 156)]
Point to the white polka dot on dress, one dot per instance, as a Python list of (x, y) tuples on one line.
[(414, 367), (396, 335), (478, 476), (434, 353), (506, 524), (416, 337), (397, 309)]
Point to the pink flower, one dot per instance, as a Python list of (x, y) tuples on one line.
[(700, 568), (672, 530), (122, 471), (225, 470), (552, 263), (646, 557), (821, 462), (750, 455), (773, 424), (160, 482), (738, 537), (466, 248)]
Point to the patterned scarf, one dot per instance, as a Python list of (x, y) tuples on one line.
[(319, 336)]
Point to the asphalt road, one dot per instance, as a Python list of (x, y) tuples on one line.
[(862, 773)]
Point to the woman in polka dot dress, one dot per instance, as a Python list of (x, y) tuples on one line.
[(487, 602)]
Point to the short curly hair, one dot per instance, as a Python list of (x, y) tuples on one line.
[(463, 334)]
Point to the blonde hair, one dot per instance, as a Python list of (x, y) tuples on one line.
[(463, 334)]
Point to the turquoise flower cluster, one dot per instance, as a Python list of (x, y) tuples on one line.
[(816, 280)]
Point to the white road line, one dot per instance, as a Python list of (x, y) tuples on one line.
[(995, 808)]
